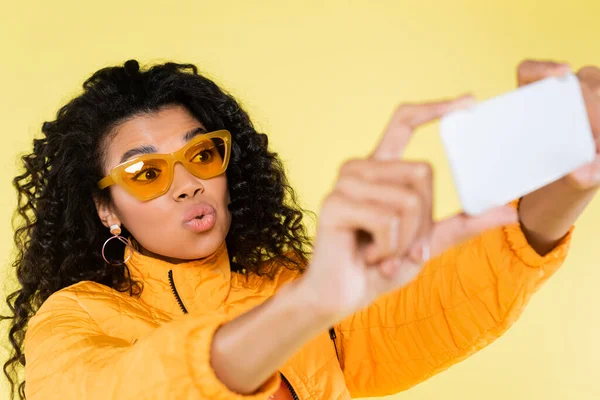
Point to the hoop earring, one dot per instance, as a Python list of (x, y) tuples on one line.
[(115, 230)]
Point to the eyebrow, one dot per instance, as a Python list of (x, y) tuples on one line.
[(193, 133), (141, 150)]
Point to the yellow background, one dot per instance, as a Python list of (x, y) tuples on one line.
[(321, 78)]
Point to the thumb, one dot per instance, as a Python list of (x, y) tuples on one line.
[(455, 230), (588, 176), (530, 71), (408, 117)]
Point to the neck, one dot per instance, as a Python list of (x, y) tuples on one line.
[(171, 260)]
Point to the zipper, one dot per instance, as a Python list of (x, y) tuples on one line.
[(185, 311), (333, 336), (175, 293), (290, 388)]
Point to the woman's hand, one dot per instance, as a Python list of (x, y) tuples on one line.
[(376, 228), (548, 213), (588, 176), (531, 71), (372, 231)]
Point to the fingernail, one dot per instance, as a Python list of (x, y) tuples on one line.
[(394, 232), (385, 267), (425, 252), (390, 267), (415, 254), (396, 265)]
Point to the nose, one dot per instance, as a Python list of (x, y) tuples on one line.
[(185, 185)]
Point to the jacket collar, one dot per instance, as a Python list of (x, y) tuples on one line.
[(201, 284)]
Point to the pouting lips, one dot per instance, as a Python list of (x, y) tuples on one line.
[(200, 218)]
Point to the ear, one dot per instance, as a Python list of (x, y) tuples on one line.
[(106, 212)]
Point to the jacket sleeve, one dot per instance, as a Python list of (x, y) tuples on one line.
[(69, 357), (461, 302)]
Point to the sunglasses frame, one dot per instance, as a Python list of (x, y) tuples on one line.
[(114, 177)]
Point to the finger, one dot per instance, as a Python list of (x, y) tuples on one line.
[(396, 234), (388, 183), (393, 274), (454, 230), (588, 176), (406, 118), (591, 76), (389, 266), (385, 174), (425, 188), (530, 71), (592, 105), (382, 232), (394, 171), (393, 196)]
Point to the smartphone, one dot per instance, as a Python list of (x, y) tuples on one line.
[(506, 147)]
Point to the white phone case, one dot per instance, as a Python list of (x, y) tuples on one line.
[(513, 144)]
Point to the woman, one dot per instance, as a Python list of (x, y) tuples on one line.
[(218, 294)]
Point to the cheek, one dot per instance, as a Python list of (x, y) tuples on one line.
[(217, 194), (140, 218), (217, 189)]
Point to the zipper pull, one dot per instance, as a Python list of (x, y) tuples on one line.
[(333, 336)]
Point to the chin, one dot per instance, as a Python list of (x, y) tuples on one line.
[(198, 246), (185, 245)]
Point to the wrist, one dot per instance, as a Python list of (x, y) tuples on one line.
[(305, 295), (555, 199), (547, 214), (250, 348)]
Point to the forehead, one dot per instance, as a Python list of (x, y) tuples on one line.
[(164, 130)]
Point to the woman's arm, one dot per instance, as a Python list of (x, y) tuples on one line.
[(470, 295), (247, 350), (547, 214), (196, 357), (460, 303)]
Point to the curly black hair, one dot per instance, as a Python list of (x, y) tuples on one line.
[(59, 235)]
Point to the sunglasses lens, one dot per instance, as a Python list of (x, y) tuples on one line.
[(146, 178), (206, 158)]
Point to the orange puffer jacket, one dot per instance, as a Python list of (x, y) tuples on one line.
[(89, 341)]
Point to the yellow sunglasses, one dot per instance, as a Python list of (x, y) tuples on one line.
[(151, 175)]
